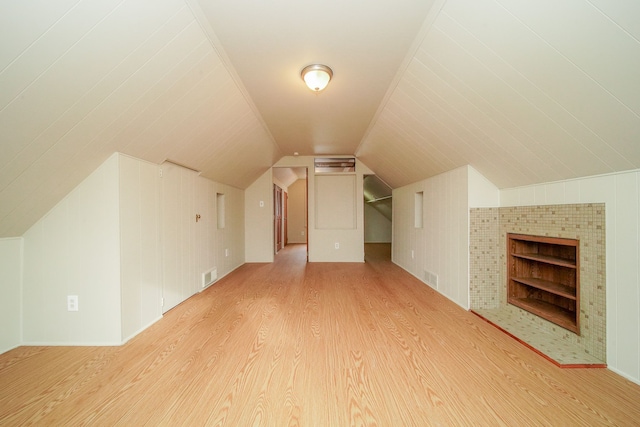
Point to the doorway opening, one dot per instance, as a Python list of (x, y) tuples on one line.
[(378, 217), (290, 208)]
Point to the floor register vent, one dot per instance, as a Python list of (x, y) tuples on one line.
[(431, 279), (208, 277)]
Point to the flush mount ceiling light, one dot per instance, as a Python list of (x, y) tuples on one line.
[(316, 76)]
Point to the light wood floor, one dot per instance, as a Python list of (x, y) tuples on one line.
[(321, 344)]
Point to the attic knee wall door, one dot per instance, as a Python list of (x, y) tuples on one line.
[(179, 262)]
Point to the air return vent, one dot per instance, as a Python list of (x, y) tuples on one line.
[(431, 279), (334, 164), (209, 277)]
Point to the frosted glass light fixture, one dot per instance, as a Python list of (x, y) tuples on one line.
[(316, 76)]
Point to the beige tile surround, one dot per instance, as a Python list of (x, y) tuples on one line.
[(488, 287)]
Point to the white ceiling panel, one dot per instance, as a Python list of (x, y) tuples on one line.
[(139, 77), (98, 107), (624, 13), (46, 47), (145, 121), (525, 92), (532, 97), (69, 77), (597, 46), (40, 15), (87, 122), (466, 130), (549, 70), (492, 145)]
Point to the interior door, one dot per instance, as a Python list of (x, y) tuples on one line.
[(277, 217), (179, 261), (285, 226), (306, 211)]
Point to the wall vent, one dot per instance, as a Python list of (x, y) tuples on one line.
[(182, 165), (431, 279), (208, 277), (334, 164)]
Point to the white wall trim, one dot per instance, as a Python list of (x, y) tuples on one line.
[(147, 326)]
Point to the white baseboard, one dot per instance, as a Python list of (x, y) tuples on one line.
[(141, 329)]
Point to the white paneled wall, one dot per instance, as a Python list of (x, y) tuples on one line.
[(441, 246), (75, 250), (177, 222), (337, 217), (190, 245), (139, 245), (322, 241), (121, 241), (10, 287), (297, 220), (442, 243), (621, 195), (407, 239), (259, 219), (230, 241), (482, 192), (203, 230), (377, 227)]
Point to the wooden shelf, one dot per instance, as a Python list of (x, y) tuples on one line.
[(543, 277), (551, 312), (561, 262), (546, 285)]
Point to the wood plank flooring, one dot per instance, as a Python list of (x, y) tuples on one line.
[(319, 344)]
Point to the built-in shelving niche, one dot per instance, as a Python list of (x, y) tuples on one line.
[(544, 278)]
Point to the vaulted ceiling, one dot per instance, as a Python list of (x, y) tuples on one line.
[(523, 91)]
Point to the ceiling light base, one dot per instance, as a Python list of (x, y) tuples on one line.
[(316, 76)]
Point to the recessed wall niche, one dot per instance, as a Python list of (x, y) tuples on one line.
[(489, 228), (336, 202)]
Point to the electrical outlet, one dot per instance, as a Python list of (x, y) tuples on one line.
[(337, 245), (413, 255), (72, 302), (262, 203), (226, 252), (302, 233)]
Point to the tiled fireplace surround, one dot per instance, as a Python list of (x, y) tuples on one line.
[(488, 272)]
